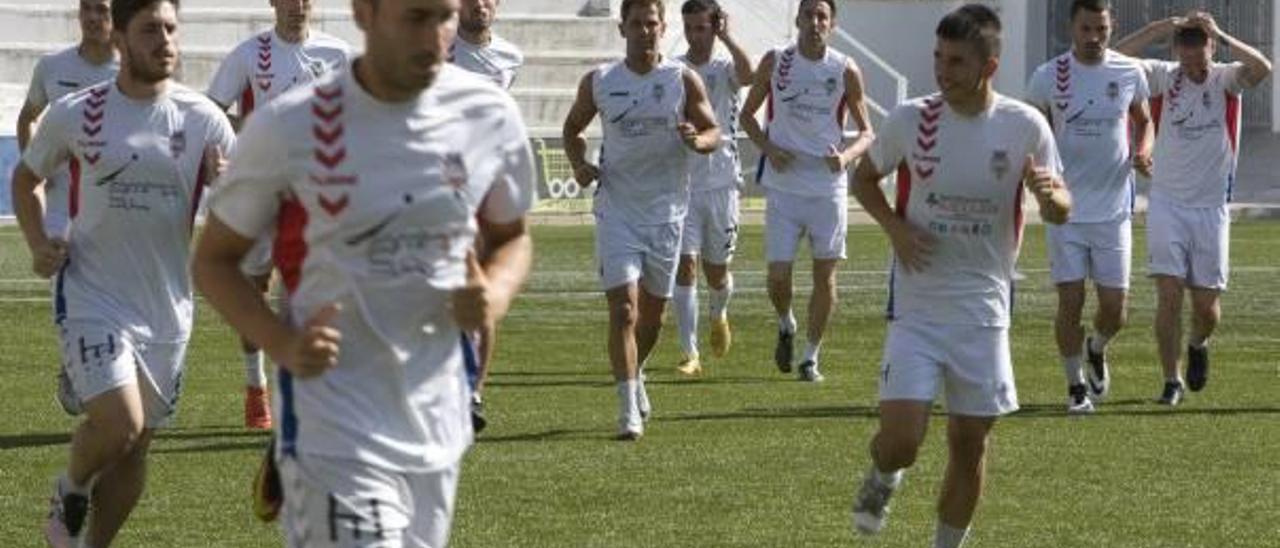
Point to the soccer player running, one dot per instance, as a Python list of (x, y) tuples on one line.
[(711, 225), (57, 75), (652, 110), (378, 180), (477, 49), (1092, 96), (258, 70), (964, 158), (809, 87), (1196, 109), (141, 149)]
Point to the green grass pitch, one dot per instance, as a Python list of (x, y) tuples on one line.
[(745, 457)]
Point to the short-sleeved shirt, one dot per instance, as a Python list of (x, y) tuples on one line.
[(806, 116), (720, 169), (57, 75), (136, 179), (266, 66), (497, 61), (1089, 109), (375, 206), (1197, 133), (960, 179), (644, 177)]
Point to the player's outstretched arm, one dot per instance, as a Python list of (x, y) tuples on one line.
[(1144, 129), (911, 246), (700, 133), (1256, 66), (778, 157), (492, 285), (305, 352), (855, 97), (47, 255), (575, 145), (27, 119), (1155, 31), (1048, 190)]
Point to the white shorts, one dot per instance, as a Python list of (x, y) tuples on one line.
[(790, 217), (711, 227), (1101, 251), (99, 358), (257, 262), (646, 254), (331, 503), (972, 363), (1190, 243)]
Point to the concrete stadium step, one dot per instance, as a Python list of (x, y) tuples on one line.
[(566, 7), (544, 108), (223, 27), (542, 70)]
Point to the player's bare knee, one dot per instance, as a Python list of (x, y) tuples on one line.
[(687, 271), (623, 314), (896, 450)]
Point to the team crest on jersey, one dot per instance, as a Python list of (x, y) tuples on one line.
[(454, 171), (659, 91), (317, 68), (1113, 90), (177, 143), (999, 163), (830, 86)]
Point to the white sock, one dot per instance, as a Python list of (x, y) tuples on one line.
[(685, 301), (811, 352), (720, 298), (946, 536), (255, 375), (627, 405), (888, 479), (787, 323), (1198, 342), (1073, 368), (1098, 343)]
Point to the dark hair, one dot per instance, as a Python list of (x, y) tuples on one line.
[(1096, 6), (830, 3), (123, 11), (628, 4), (692, 7), (1192, 37), (973, 23)]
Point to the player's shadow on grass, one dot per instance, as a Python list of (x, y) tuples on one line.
[(816, 412), (604, 381), (196, 433), (1137, 408)]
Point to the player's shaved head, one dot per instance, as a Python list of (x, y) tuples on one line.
[(974, 24), (123, 11), (1095, 6), (628, 5)]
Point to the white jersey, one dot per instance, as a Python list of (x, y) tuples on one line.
[(56, 76), (374, 206), (720, 169), (497, 61), (265, 66), (1197, 133), (644, 177), (960, 179), (136, 179), (1089, 107), (806, 117)]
